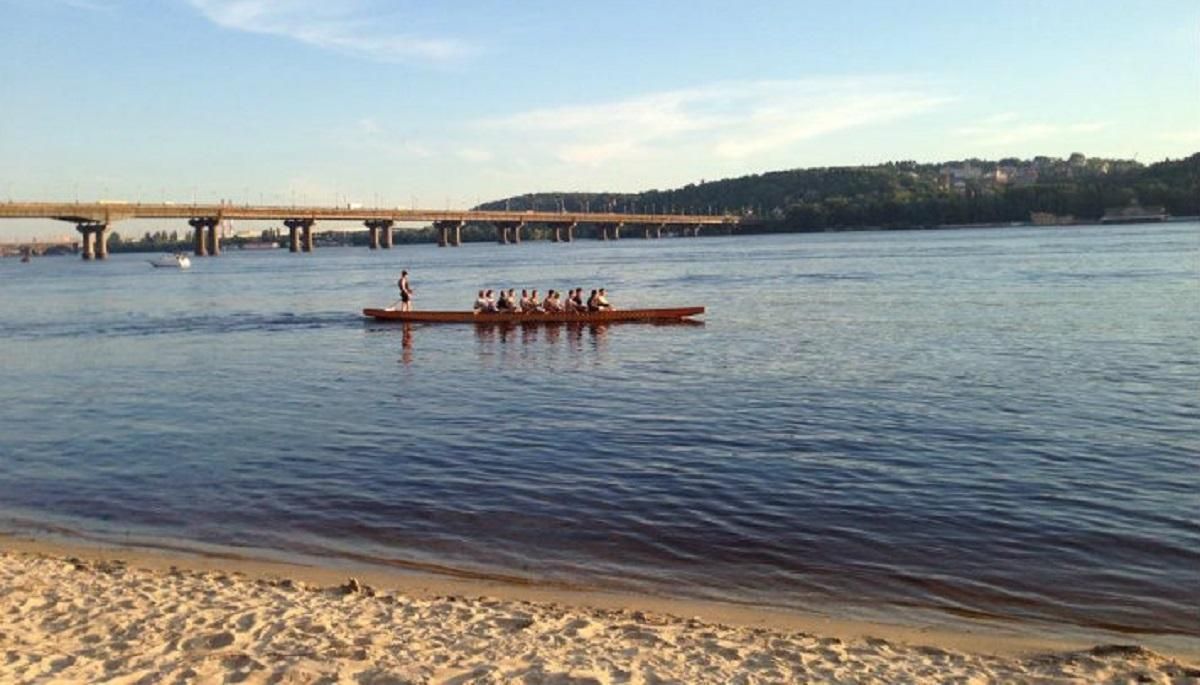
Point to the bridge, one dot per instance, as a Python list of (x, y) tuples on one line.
[(34, 248), (94, 219)]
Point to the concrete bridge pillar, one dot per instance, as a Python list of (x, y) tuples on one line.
[(377, 226), (306, 237), (646, 233), (199, 245), (386, 235), (602, 232), (571, 232), (616, 232), (299, 234), (102, 241), (89, 245), (696, 231), (517, 233), (557, 238), (214, 238), (658, 231), (206, 240), (95, 239), (449, 233)]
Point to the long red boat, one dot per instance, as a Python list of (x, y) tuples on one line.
[(611, 315)]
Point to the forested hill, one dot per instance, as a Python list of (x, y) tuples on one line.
[(908, 194)]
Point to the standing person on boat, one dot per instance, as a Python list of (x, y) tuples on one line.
[(405, 292)]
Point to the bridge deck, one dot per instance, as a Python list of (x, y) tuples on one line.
[(113, 211)]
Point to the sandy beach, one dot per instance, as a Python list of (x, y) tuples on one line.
[(75, 615)]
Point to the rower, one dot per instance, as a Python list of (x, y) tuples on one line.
[(535, 305), (591, 302), (602, 300), (481, 303), (507, 301)]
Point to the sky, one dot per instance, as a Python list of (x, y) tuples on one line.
[(448, 104)]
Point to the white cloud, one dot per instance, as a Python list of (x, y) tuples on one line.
[(474, 154), (1185, 137), (1010, 128), (381, 139), (368, 126), (346, 26), (598, 153), (729, 120), (778, 129)]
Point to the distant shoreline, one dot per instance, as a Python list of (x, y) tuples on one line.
[(427, 236)]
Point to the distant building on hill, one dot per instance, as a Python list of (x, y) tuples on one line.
[(957, 176), (1025, 176)]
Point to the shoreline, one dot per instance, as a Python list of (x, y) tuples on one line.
[(172, 577)]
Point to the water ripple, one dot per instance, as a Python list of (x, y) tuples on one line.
[(991, 424)]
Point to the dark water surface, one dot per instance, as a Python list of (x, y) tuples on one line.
[(997, 423)]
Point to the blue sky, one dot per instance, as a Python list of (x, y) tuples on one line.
[(451, 103)]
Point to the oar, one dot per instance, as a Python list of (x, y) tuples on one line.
[(392, 306)]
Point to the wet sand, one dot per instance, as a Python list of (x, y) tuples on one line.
[(75, 613)]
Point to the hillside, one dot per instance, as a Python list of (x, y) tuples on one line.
[(912, 195)]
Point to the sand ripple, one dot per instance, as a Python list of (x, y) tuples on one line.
[(68, 620)]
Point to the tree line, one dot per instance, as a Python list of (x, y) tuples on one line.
[(909, 194), (894, 195)]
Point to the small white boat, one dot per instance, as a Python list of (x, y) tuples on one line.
[(172, 261)]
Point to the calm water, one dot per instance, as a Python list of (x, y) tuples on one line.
[(997, 423)]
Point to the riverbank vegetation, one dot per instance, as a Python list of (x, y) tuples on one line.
[(911, 194), (893, 195)]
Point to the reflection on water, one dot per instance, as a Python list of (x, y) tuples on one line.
[(986, 422), (576, 337), (499, 338)]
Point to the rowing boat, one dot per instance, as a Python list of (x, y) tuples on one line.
[(611, 315)]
